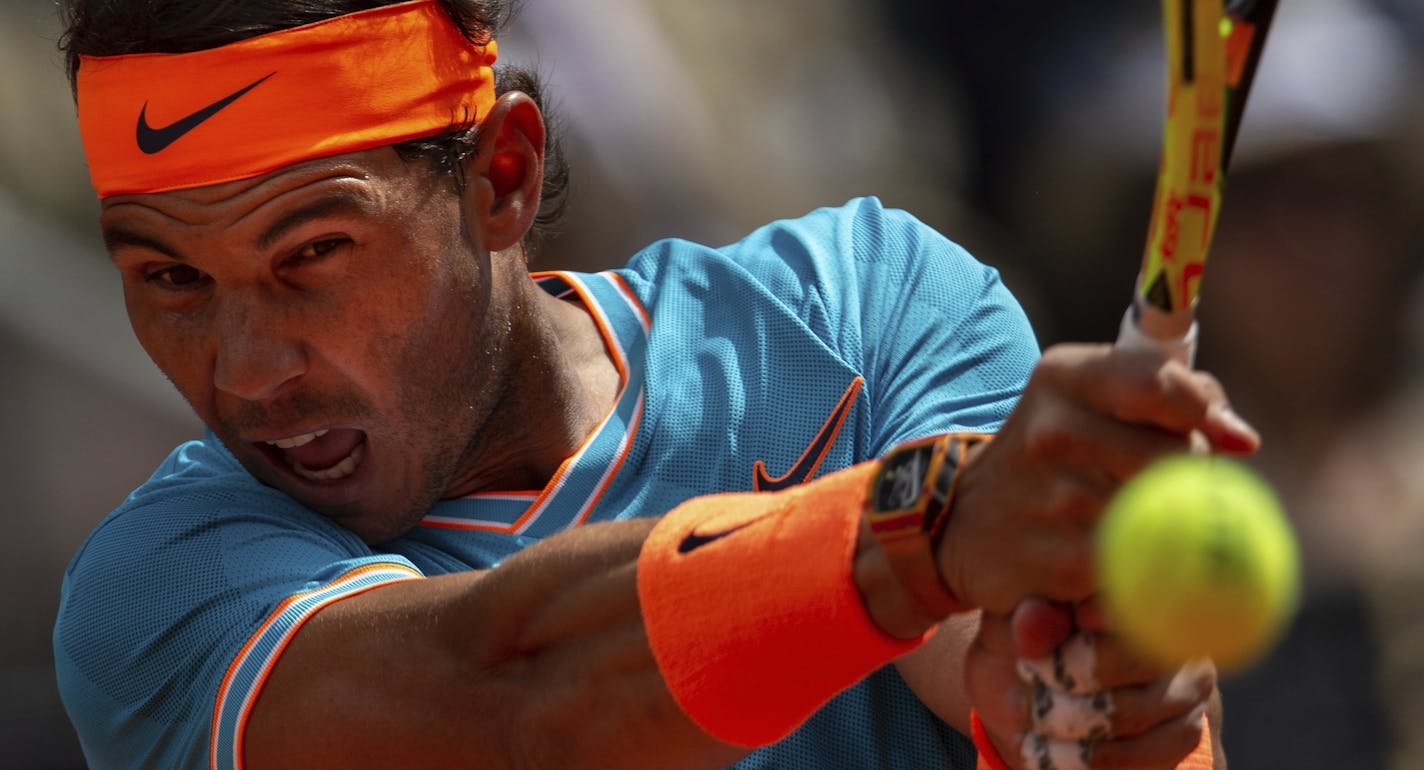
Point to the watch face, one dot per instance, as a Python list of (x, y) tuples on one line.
[(902, 478)]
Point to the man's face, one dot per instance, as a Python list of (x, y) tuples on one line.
[(331, 322)]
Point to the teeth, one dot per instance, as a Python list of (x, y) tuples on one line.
[(296, 441), (338, 471)]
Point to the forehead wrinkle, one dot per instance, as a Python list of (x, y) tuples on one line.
[(342, 200), (135, 233), (117, 237), (214, 205), (347, 178)]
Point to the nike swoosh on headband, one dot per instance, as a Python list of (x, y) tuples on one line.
[(155, 140)]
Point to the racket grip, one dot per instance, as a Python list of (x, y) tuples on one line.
[(1180, 347)]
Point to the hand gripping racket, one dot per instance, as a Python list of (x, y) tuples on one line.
[(1212, 52)]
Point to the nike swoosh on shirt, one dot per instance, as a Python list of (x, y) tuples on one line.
[(155, 140), (810, 460)]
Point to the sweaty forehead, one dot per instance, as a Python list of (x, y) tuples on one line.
[(369, 173), (366, 183)]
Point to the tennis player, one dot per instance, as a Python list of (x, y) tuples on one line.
[(721, 506)]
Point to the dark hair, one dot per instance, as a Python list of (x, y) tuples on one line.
[(115, 27)]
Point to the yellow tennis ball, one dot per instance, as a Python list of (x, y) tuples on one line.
[(1196, 558)]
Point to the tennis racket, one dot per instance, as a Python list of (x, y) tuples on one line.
[(1212, 51)]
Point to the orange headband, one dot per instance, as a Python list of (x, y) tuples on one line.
[(154, 122)]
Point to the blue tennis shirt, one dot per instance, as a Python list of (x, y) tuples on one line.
[(810, 345)]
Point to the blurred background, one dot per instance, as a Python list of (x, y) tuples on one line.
[(1028, 131)]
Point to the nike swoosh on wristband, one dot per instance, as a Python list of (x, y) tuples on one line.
[(692, 540), (155, 140), (810, 459)]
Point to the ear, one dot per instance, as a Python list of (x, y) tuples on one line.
[(505, 175)]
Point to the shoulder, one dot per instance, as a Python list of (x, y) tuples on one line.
[(822, 267), (199, 527), (197, 485), (821, 246), (167, 588), (201, 501)]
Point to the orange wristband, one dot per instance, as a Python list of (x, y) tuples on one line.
[(752, 610)]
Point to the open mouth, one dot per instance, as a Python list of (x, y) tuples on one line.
[(326, 455)]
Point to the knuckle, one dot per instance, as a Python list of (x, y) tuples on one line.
[(1208, 385), (1141, 390), (1059, 363), (1195, 682), (1051, 439)]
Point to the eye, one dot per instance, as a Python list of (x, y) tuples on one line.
[(318, 249), (177, 278)]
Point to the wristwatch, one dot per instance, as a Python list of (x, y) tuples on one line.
[(909, 504)]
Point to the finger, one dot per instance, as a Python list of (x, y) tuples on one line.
[(1071, 716), (1143, 387), (1118, 713), (1228, 432), (1088, 659), (1042, 753), (1200, 444), (993, 685), (1071, 667), (1088, 615), (1164, 746), (1139, 710), (1038, 626), (1087, 662), (1150, 726), (1118, 664), (1098, 444)]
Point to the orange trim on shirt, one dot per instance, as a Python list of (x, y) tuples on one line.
[(272, 618)]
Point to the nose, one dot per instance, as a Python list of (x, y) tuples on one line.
[(257, 353)]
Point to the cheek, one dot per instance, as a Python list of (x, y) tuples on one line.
[(176, 346), (404, 335)]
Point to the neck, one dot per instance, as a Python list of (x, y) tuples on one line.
[(561, 385)]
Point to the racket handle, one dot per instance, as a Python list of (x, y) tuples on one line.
[(1179, 346)]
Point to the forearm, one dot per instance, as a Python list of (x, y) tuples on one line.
[(935, 671), (541, 662), (547, 660)]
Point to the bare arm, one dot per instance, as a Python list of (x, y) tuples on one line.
[(935, 671), (540, 663), (543, 662)]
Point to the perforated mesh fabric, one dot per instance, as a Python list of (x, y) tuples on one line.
[(754, 343), (879, 724), (167, 590)]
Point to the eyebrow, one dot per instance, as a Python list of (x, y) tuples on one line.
[(116, 238), (336, 203)]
